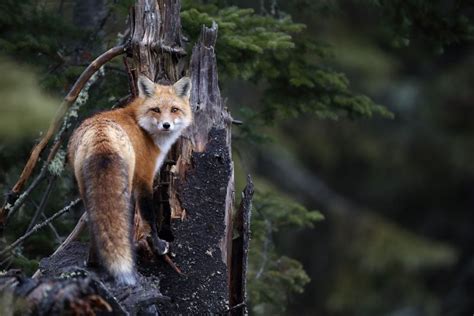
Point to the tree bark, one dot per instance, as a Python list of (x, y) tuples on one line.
[(240, 248), (201, 194), (196, 191)]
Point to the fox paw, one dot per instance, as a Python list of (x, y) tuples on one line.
[(162, 247)]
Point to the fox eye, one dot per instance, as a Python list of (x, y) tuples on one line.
[(156, 110), (174, 110)]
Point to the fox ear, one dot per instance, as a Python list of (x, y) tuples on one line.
[(146, 87), (183, 87)]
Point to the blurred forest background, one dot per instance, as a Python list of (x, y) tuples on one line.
[(362, 110)]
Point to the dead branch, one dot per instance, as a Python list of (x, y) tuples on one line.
[(81, 224), (239, 257), (53, 230), (132, 81), (53, 128), (10, 209), (234, 308), (50, 225), (172, 264), (44, 199), (123, 101), (37, 227)]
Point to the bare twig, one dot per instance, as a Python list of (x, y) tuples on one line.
[(53, 128), (53, 230), (172, 265), (37, 227), (237, 122), (40, 177), (50, 225), (44, 199), (72, 236), (123, 101), (58, 139), (233, 308), (131, 78), (81, 224)]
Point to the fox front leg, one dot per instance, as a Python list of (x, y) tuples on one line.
[(147, 212)]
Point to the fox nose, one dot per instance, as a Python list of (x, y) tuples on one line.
[(166, 125)]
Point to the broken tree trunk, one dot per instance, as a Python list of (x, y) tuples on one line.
[(201, 194), (195, 189), (195, 192), (239, 257), (156, 40)]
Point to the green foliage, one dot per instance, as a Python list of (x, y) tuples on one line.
[(32, 34), (245, 38), (282, 211), (39, 46), (28, 266), (307, 86), (25, 109), (29, 31), (274, 277), (289, 64), (380, 250), (386, 247), (439, 23)]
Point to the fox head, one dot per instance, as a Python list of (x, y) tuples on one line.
[(165, 110)]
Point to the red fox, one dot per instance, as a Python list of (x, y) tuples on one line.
[(115, 156)]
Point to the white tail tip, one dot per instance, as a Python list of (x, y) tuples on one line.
[(124, 273)]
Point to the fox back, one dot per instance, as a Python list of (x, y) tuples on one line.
[(115, 156)]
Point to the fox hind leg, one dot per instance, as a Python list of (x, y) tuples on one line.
[(148, 213)]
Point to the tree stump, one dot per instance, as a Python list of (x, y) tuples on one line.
[(201, 194), (195, 192)]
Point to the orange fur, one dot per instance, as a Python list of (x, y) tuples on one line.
[(115, 156)]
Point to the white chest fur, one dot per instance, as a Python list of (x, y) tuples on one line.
[(164, 143)]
